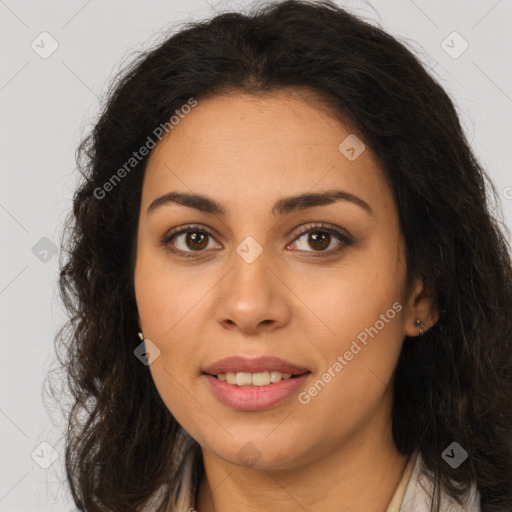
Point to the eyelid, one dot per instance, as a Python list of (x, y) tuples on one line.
[(323, 226), (189, 227)]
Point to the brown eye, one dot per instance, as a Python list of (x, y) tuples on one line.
[(189, 240), (196, 240), (317, 240), (321, 240)]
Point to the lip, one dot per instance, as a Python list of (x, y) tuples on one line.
[(255, 398), (236, 364)]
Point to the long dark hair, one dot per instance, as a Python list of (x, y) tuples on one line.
[(452, 384)]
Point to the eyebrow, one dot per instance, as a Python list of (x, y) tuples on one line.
[(282, 207)]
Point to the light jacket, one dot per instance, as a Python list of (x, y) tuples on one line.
[(414, 491)]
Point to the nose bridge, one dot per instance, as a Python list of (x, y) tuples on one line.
[(249, 281), (251, 295)]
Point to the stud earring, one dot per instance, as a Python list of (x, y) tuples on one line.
[(419, 325), (141, 336)]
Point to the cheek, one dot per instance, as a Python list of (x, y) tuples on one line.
[(169, 304), (359, 359), (345, 299), (356, 314), (168, 297)]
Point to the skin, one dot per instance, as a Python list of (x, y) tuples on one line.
[(246, 152)]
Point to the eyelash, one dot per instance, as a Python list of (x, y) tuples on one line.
[(321, 227)]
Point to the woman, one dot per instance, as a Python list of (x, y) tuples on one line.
[(285, 285)]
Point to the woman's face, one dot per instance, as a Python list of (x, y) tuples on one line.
[(262, 272)]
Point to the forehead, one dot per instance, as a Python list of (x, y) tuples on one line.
[(253, 149)]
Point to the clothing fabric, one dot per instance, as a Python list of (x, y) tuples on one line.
[(414, 491)]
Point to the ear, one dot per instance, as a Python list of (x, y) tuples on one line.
[(420, 305)]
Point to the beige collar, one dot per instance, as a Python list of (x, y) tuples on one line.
[(414, 491), (396, 501)]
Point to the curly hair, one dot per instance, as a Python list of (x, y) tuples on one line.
[(452, 384)]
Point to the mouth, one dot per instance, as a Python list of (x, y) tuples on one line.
[(258, 395), (262, 371), (254, 384)]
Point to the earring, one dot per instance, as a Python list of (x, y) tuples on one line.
[(141, 336), (419, 325)]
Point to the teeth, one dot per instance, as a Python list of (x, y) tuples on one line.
[(253, 379)]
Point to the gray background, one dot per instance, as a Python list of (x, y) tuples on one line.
[(48, 104)]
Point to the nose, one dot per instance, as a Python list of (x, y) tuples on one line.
[(253, 297)]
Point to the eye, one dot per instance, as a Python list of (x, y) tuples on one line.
[(323, 239), (189, 239)]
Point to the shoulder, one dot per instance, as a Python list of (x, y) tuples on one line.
[(420, 488)]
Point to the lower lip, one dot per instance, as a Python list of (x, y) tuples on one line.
[(255, 398)]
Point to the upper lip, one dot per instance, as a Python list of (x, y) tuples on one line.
[(236, 364)]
